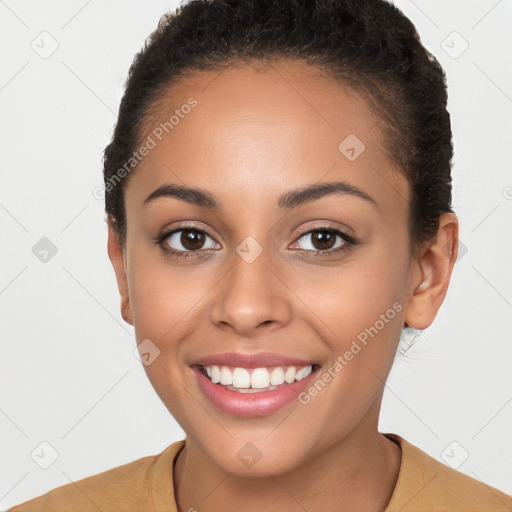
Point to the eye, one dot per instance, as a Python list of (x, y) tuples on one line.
[(185, 241), (323, 240), (190, 241)]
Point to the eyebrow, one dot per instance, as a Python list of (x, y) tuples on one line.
[(291, 199)]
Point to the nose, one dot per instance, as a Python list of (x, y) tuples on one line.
[(251, 297)]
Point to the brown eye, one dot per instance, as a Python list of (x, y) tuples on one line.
[(323, 241), (185, 240), (192, 239)]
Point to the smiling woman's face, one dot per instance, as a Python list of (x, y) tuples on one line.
[(261, 278)]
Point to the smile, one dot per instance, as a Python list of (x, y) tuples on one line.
[(255, 380), (253, 392)]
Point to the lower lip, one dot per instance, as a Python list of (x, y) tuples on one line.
[(251, 405)]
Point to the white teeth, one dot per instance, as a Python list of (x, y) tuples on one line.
[(303, 373), (241, 378), (289, 376), (215, 374), (277, 377), (226, 377), (260, 378), (257, 378)]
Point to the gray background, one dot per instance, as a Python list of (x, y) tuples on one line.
[(68, 376)]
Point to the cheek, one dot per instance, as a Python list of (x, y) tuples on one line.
[(361, 308), (162, 293), (166, 305), (354, 295), (361, 322)]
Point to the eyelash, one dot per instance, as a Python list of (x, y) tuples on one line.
[(349, 241)]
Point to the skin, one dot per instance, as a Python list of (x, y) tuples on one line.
[(255, 134)]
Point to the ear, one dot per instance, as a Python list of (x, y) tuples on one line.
[(435, 265), (117, 258)]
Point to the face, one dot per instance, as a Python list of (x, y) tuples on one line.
[(265, 279)]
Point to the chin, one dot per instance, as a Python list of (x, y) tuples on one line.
[(255, 456)]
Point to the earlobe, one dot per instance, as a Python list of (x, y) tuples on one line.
[(118, 260), (435, 266)]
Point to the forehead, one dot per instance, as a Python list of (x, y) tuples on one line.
[(256, 131)]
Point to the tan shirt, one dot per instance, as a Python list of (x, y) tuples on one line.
[(146, 484)]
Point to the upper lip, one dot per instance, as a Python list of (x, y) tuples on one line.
[(254, 360)]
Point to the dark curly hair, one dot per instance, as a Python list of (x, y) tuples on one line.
[(366, 44)]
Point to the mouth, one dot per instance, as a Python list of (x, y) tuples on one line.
[(253, 392), (255, 380)]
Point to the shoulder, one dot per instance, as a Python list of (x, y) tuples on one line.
[(126, 487), (424, 484)]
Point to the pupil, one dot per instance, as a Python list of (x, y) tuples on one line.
[(324, 239), (192, 240)]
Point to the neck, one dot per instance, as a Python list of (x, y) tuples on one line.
[(359, 472)]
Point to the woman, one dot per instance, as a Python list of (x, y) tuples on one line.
[(278, 196)]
